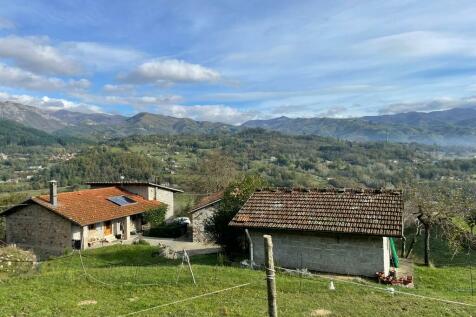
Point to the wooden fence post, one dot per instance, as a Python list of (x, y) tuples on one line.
[(270, 276)]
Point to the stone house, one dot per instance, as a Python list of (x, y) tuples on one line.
[(201, 212), (52, 224), (344, 231)]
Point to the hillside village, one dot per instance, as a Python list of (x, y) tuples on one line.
[(237, 159), (337, 211)]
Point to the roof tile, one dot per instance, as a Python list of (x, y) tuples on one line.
[(359, 211), (90, 206)]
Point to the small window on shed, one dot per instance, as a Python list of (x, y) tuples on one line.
[(92, 227), (122, 200)]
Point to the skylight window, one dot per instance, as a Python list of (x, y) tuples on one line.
[(121, 200)]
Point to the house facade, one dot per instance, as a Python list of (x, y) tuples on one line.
[(343, 231), (52, 224), (147, 190), (201, 213)]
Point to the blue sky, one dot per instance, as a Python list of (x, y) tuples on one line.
[(233, 61)]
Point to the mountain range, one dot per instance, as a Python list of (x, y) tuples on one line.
[(449, 127)]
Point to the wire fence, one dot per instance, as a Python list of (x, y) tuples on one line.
[(300, 260)]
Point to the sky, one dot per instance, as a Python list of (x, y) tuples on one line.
[(233, 61)]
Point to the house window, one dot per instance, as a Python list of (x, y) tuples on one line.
[(92, 227)]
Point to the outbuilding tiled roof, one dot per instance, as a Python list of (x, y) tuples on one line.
[(90, 206), (207, 201), (352, 211)]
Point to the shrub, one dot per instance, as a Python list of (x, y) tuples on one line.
[(170, 230), (156, 216)]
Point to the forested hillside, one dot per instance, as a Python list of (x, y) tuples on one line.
[(311, 161), (12, 133)]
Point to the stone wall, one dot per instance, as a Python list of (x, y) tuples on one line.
[(199, 219), (342, 254), (36, 228)]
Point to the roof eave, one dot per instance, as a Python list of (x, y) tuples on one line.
[(205, 206), (244, 226)]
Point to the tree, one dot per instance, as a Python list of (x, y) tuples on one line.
[(234, 197), (215, 172), (425, 205), (436, 205), (469, 207)]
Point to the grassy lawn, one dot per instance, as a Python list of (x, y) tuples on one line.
[(60, 286)]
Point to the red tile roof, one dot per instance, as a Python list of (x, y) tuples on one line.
[(369, 212), (90, 206), (207, 201)]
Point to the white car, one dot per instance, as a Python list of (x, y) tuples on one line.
[(182, 220)]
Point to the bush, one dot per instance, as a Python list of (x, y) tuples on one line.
[(234, 198), (170, 230), (156, 216)]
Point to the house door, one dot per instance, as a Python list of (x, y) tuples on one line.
[(107, 228)]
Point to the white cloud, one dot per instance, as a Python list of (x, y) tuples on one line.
[(421, 44), (334, 112), (167, 71), (6, 24), (49, 103), (139, 103), (110, 88), (442, 103), (17, 77), (37, 55), (215, 113), (100, 57)]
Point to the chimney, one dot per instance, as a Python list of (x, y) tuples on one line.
[(53, 193)]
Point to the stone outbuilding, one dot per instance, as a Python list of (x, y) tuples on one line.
[(344, 231), (201, 213), (52, 224)]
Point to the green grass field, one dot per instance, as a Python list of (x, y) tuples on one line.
[(59, 288)]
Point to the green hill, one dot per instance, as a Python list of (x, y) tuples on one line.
[(12, 133)]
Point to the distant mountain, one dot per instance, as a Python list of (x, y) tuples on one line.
[(143, 124), (87, 119), (30, 116), (101, 125), (165, 124), (451, 127)]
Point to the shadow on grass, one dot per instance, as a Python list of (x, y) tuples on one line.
[(138, 255)]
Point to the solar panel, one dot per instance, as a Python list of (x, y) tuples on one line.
[(121, 200)]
